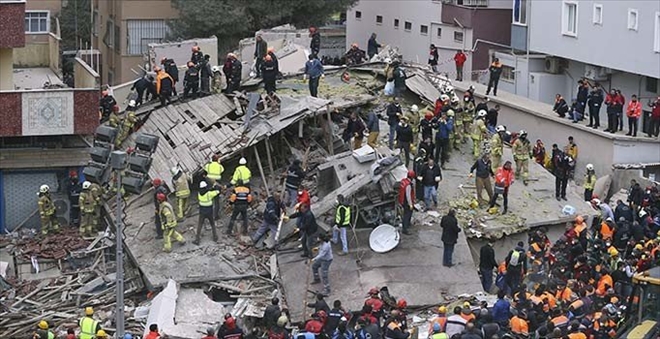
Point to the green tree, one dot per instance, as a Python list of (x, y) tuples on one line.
[(232, 20), (75, 24)]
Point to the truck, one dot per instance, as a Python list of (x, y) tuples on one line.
[(643, 311)]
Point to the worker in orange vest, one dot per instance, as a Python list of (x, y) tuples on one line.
[(607, 229), (519, 325)]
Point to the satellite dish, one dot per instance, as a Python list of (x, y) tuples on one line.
[(384, 238)]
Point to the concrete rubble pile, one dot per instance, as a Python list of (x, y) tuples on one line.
[(55, 279)]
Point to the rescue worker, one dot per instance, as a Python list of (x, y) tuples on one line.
[(519, 325), (214, 170), (114, 119), (142, 85), (191, 81), (164, 86), (406, 199), (321, 264), (235, 73), (414, 121), (180, 182), (444, 125), (106, 105), (482, 180), (342, 223), (197, 56), (216, 85), (279, 331), (101, 335), (479, 133), (404, 138), (206, 197), (159, 187), (168, 222), (355, 55), (455, 323), (571, 151), (315, 43), (241, 199), (43, 331), (242, 173), (126, 126), (589, 182), (437, 333), (354, 129), (210, 334), (47, 211), (170, 67), (522, 152), (273, 212), (468, 115), (497, 148), (516, 267), (87, 202), (393, 327), (440, 320), (373, 127), (268, 69), (504, 178), (205, 74), (88, 325), (294, 177), (153, 332), (307, 226)]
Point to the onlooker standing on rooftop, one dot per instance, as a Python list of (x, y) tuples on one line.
[(495, 70), (595, 101), (633, 112), (654, 125), (613, 103)]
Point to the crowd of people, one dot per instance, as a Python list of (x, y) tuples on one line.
[(593, 97)]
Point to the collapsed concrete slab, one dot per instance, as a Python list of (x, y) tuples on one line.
[(163, 308)]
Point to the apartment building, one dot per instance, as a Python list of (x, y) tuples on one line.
[(616, 43), (43, 122), (473, 26), (122, 30)]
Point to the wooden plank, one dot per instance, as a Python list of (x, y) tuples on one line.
[(208, 114)]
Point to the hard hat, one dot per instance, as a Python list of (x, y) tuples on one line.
[(612, 251), (161, 197), (282, 320), (86, 185), (128, 336), (466, 304), (174, 170), (210, 331), (373, 291), (442, 309), (482, 113), (43, 325), (444, 97), (388, 60), (44, 189), (523, 132), (242, 161), (215, 69), (402, 303), (156, 182), (471, 88), (450, 88), (499, 128), (414, 108), (590, 167), (450, 113), (411, 174), (454, 99), (131, 103), (609, 219), (579, 219), (101, 334), (642, 213), (203, 184), (89, 311), (639, 247), (436, 327), (595, 201)]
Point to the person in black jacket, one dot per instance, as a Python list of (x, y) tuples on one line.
[(315, 44), (272, 213), (487, 263), (269, 73), (393, 113), (372, 46), (191, 81), (404, 136), (582, 93), (595, 101), (354, 129), (306, 223), (430, 176), (428, 146), (319, 304), (272, 313), (450, 232), (623, 211), (560, 107), (635, 195), (170, 67), (236, 73), (142, 85), (433, 58), (334, 316), (482, 180), (495, 70), (205, 73), (560, 170)]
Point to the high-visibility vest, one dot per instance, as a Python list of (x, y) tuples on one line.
[(206, 200), (440, 335), (440, 320), (519, 326), (46, 206), (214, 170), (167, 215), (241, 173), (241, 195), (606, 232), (181, 186), (87, 327), (347, 216), (86, 201), (589, 184)]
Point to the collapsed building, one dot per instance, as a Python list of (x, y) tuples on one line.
[(196, 285)]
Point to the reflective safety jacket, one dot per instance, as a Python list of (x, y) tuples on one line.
[(167, 217), (86, 201), (88, 327), (46, 206), (241, 196), (241, 173), (343, 216), (181, 187), (496, 145), (206, 199), (522, 150), (214, 170)]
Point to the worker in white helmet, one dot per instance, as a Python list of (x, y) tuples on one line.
[(242, 173), (497, 148), (479, 133), (180, 182), (414, 120), (47, 211), (589, 182)]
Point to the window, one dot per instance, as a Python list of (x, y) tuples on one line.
[(109, 37), (438, 33), (407, 25), (598, 14), (141, 33), (656, 42), (458, 36), (472, 3), (569, 17), (37, 21), (396, 23), (520, 12), (358, 15), (95, 23), (508, 73), (111, 77), (117, 39), (424, 30), (379, 19), (651, 84), (632, 19)]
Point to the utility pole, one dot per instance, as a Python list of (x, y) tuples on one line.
[(118, 162)]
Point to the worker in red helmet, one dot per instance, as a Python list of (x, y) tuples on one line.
[(229, 329), (401, 305), (375, 302), (191, 81), (157, 183), (168, 222), (106, 104), (406, 200)]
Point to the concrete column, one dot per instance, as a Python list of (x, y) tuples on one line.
[(6, 69)]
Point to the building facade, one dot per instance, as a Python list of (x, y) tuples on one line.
[(615, 43), (468, 25), (122, 30)]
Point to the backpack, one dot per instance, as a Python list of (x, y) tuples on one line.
[(515, 258)]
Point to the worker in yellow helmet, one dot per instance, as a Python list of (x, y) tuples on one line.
[(241, 173), (214, 171), (88, 326), (100, 334), (43, 331)]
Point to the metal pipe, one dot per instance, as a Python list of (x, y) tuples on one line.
[(119, 241)]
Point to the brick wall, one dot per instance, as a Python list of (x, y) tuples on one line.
[(10, 114), (12, 25), (86, 111)]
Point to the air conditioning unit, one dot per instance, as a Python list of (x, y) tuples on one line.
[(596, 72), (552, 65)]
